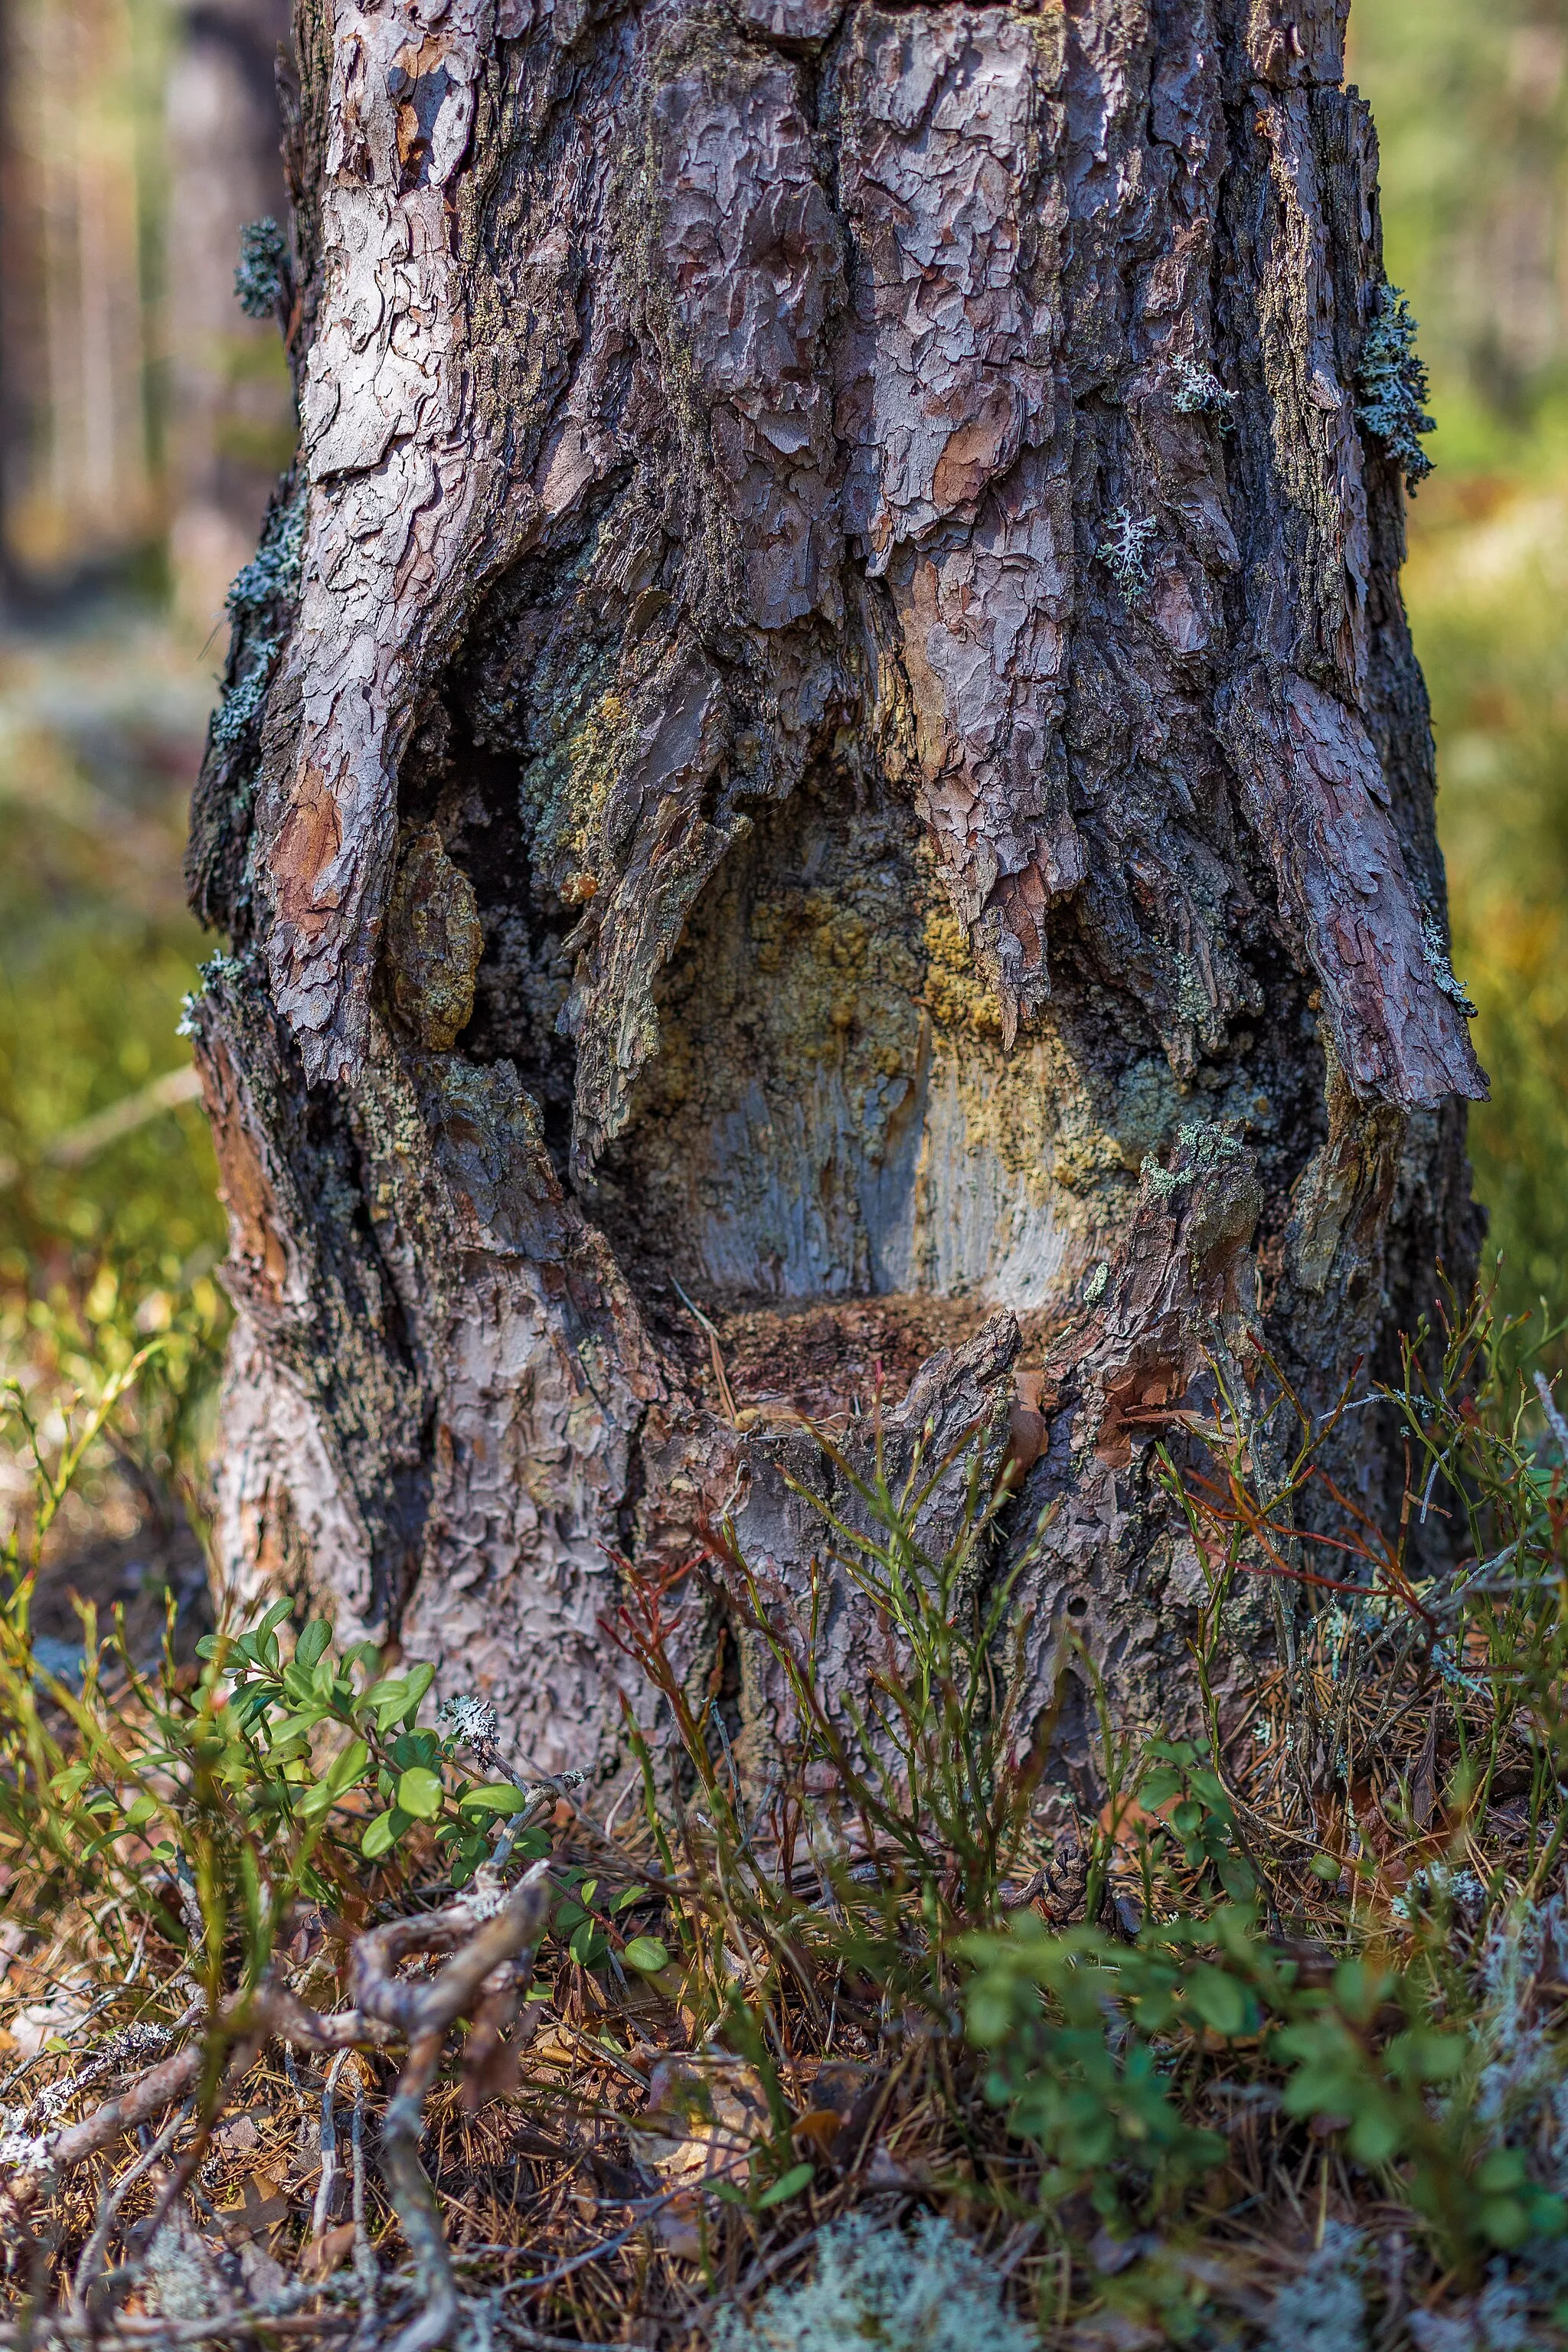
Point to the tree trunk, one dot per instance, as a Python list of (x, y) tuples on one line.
[(824, 734)]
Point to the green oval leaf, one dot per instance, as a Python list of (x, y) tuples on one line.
[(1373, 2136), (1219, 2000), (1159, 1787), (991, 2016), (313, 1642), (417, 1748), (798, 2177), (383, 1835), (1548, 2215), (341, 1775), (419, 1792), (349, 1765), (1504, 2220), (495, 1797), (646, 1954)]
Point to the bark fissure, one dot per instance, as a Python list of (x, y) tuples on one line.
[(846, 758)]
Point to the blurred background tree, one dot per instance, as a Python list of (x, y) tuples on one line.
[(143, 418)]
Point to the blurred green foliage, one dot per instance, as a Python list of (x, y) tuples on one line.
[(1487, 588), (1470, 97), (100, 726), (1471, 102)]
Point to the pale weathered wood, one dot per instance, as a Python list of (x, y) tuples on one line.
[(824, 732)]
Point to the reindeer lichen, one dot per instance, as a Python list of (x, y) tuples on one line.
[(1497, 2320), (1323, 2309), (1394, 388), (928, 2292)]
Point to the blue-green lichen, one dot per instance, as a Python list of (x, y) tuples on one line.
[(1203, 1147), (1441, 970), (270, 579), (1196, 390), (1392, 387), (261, 279), (216, 969), (273, 571)]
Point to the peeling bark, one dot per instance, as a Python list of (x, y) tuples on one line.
[(843, 749)]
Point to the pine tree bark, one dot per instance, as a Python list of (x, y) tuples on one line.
[(823, 733)]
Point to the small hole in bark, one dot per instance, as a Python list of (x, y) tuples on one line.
[(1077, 1606)]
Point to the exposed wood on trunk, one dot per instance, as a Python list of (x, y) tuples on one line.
[(843, 752)]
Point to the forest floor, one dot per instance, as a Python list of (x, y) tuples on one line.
[(1265, 2049)]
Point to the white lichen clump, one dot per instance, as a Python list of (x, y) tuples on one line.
[(469, 1722), (1522, 2091), (1497, 2321), (183, 2281), (929, 2292), (1124, 550), (1324, 2309), (1438, 1882), (1198, 391)]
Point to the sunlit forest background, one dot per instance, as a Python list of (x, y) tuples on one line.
[(143, 417)]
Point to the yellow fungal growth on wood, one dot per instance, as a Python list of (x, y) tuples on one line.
[(954, 993)]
